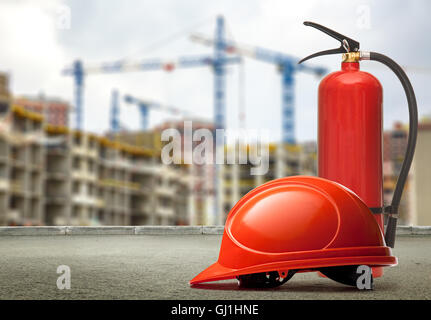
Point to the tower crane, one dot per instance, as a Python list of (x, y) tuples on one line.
[(288, 66), (218, 61), (78, 72), (146, 105)]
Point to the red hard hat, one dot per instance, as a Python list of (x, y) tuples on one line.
[(297, 223)]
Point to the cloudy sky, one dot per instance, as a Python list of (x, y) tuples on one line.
[(37, 43)]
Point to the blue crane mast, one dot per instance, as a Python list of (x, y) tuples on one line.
[(115, 112), (288, 66)]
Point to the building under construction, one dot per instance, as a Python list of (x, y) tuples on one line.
[(420, 179), (111, 183), (55, 111), (22, 165), (52, 175)]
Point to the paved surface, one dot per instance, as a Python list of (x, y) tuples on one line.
[(159, 267)]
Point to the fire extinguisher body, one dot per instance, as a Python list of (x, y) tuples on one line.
[(350, 133)]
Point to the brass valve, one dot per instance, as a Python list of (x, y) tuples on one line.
[(351, 56)]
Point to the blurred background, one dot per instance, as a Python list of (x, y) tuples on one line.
[(87, 87)]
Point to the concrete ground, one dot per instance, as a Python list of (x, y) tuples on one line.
[(160, 266)]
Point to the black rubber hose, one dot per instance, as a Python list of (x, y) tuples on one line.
[(411, 144)]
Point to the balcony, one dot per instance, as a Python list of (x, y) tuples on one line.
[(87, 200), (84, 175), (166, 212), (84, 152), (165, 191), (4, 184)]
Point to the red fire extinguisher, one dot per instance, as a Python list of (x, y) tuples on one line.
[(350, 128)]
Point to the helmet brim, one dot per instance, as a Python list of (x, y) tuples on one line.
[(217, 272), (214, 272)]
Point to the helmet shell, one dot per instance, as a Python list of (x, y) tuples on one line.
[(296, 223)]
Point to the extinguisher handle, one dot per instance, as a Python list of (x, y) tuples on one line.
[(411, 142), (346, 44)]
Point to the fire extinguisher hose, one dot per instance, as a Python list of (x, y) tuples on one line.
[(411, 144)]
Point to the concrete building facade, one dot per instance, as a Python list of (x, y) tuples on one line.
[(394, 148), (420, 178), (22, 162), (202, 193), (51, 175), (93, 180), (55, 111)]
